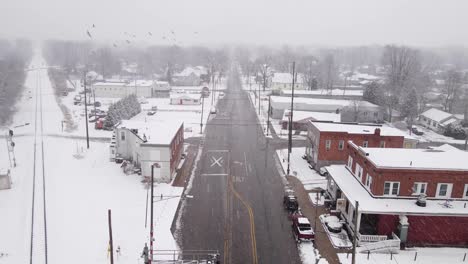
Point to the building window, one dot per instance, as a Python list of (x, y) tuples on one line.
[(382, 144), (350, 162), (368, 181), (376, 114), (365, 144), (391, 188), (328, 144), (365, 114), (358, 171), (341, 145), (419, 188), (444, 190), (465, 192), (122, 135)]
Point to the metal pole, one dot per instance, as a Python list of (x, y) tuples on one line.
[(151, 213), (356, 213), (316, 205), (86, 111), (291, 116), (259, 102), (201, 119), (111, 246), (8, 147), (268, 118)]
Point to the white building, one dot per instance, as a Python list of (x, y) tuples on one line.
[(190, 76), (350, 110), (438, 120), (185, 99), (283, 81), (5, 179), (142, 88), (147, 143)]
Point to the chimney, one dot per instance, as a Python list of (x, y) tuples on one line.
[(377, 132)]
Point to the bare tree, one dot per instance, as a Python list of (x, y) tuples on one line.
[(329, 71), (451, 89), (308, 68), (402, 65)]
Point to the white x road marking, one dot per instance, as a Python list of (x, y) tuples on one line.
[(216, 161)]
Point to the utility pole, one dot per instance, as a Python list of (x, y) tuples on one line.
[(265, 70), (86, 109), (201, 119), (259, 102), (291, 116), (356, 213), (152, 210), (268, 118), (111, 246), (212, 83)]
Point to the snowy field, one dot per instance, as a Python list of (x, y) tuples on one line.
[(81, 185), (424, 256), (300, 169)]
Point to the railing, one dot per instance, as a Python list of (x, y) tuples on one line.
[(185, 256), (371, 238), (387, 245)]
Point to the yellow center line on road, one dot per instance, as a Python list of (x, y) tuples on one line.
[(252, 224)]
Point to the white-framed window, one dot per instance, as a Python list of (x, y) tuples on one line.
[(368, 181), (122, 135), (465, 192), (365, 144), (341, 145), (358, 171), (419, 187), (327, 144), (444, 190), (391, 188), (382, 144), (350, 162)]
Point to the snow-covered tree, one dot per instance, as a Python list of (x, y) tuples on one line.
[(409, 106), (373, 93)]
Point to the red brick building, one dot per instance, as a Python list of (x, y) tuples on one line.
[(327, 140), (388, 183)]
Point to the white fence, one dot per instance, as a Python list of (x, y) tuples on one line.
[(380, 244)]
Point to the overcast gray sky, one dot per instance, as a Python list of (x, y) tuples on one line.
[(335, 22)]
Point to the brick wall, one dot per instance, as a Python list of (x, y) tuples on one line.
[(428, 230), (177, 145)]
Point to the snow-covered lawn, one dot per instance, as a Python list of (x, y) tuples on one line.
[(300, 168), (424, 256)]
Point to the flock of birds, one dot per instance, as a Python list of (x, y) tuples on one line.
[(129, 37)]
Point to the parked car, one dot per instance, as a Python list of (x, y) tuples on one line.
[(302, 229), (221, 95), (213, 110), (150, 113), (77, 98), (97, 104), (416, 131), (290, 201)]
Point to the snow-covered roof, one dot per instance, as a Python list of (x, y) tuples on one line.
[(436, 114), (156, 132), (336, 92), (129, 84), (317, 104), (357, 129), (285, 78), (363, 76), (449, 121), (420, 159), (303, 115), (355, 191), (198, 71), (193, 96)]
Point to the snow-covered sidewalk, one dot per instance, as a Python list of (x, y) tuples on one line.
[(300, 169)]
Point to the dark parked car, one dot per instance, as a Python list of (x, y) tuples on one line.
[(290, 201), (416, 131)]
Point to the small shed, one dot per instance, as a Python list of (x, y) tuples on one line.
[(5, 179)]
